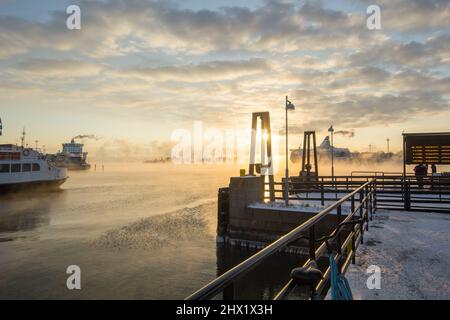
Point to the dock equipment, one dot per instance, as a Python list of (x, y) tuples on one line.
[(307, 173), (265, 167), (306, 170)]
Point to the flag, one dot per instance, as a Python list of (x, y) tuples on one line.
[(289, 105)]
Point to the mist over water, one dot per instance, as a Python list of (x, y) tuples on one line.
[(137, 231), (121, 226)]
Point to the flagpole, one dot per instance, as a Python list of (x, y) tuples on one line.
[(286, 181)]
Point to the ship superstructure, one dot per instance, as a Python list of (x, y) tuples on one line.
[(324, 150), (72, 157)]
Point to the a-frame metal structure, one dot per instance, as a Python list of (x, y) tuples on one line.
[(265, 168), (306, 170)]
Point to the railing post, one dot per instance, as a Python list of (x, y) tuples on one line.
[(322, 196), (361, 213), (338, 238), (371, 201), (407, 196), (271, 188), (366, 204), (375, 195), (353, 203), (312, 243), (353, 245)]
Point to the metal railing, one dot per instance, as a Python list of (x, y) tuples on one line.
[(427, 193), (362, 201), (375, 173)]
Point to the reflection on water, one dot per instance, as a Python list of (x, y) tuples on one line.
[(25, 211), (140, 232)]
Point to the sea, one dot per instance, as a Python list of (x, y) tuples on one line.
[(136, 231)]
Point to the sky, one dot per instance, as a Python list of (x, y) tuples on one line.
[(137, 71)]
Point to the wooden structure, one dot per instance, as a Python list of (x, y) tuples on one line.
[(426, 148)]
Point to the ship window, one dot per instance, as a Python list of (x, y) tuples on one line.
[(26, 167), (4, 168), (15, 167), (36, 167)]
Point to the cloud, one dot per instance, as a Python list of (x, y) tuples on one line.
[(58, 68), (345, 133), (433, 52), (114, 28), (208, 71), (361, 111), (167, 64)]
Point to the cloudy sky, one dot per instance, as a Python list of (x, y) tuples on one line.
[(137, 70)]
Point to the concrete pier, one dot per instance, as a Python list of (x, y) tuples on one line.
[(252, 223)]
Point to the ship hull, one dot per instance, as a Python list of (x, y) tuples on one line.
[(78, 167), (72, 166), (32, 185)]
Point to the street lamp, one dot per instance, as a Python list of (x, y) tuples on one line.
[(289, 106), (331, 130)]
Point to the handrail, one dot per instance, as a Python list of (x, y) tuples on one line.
[(216, 286), (383, 173)]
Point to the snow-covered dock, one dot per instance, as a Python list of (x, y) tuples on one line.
[(412, 249)]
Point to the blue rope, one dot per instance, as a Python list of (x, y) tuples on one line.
[(340, 289)]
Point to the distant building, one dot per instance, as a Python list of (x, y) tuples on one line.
[(324, 150)]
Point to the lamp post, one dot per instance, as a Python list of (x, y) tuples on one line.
[(289, 106), (331, 130)]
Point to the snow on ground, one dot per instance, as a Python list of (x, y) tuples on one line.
[(413, 251), (304, 205), (294, 205)]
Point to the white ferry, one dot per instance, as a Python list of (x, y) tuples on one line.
[(27, 168)]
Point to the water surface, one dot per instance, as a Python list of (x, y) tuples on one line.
[(141, 231)]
